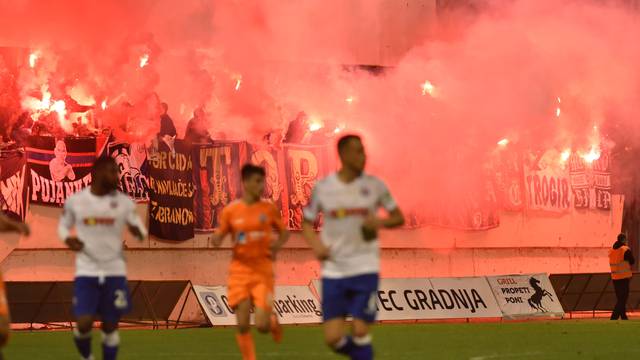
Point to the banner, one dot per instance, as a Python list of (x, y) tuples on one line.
[(217, 180), (602, 181), (470, 206), (304, 166), (272, 160), (509, 180), (171, 193), (548, 184), (293, 304), (591, 182), (13, 186), (58, 167), (291, 173), (437, 298), (525, 295), (132, 162)]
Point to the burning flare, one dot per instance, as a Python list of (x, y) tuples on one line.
[(315, 125), (592, 155), (503, 142), (103, 105), (33, 58), (144, 60), (238, 83), (428, 88), (46, 106)]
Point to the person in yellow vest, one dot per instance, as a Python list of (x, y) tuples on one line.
[(620, 260)]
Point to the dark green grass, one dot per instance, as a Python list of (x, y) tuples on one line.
[(584, 339)]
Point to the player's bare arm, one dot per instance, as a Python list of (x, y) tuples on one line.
[(283, 237), (393, 220), (136, 231), (74, 243), (8, 225), (320, 250), (218, 237)]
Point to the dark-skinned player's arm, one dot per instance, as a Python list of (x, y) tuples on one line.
[(223, 228), (283, 233), (395, 217), (311, 212), (134, 223), (66, 223), (8, 225)]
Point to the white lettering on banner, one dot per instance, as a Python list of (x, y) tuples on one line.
[(293, 304), (12, 189), (549, 192), (55, 192), (525, 295)]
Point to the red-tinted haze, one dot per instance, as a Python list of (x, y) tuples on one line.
[(454, 90)]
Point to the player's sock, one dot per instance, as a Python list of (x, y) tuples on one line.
[(110, 344), (345, 346), (362, 349), (245, 343), (83, 343), (276, 329)]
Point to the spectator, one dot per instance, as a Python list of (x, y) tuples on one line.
[(21, 129), (168, 132), (197, 132), (166, 123), (298, 130), (621, 259)]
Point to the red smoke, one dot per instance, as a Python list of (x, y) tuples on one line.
[(458, 83)]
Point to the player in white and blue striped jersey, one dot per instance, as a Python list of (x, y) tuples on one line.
[(348, 247), (99, 214)]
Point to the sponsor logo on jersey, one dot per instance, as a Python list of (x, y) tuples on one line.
[(342, 212), (93, 221), (244, 237), (241, 238)]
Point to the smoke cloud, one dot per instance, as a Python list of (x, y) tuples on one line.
[(539, 74)]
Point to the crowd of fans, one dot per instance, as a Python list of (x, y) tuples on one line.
[(123, 121)]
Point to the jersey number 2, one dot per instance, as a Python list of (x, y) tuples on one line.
[(121, 299)]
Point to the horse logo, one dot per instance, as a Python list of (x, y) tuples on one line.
[(535, 301)]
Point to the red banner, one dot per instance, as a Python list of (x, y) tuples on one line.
[(216, 174), (272, 160), (508, 174), (304, 166)]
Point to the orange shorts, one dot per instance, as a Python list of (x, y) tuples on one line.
[(253, 285)]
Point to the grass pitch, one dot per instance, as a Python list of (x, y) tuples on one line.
[(567, 339)]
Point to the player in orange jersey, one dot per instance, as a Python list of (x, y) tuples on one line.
[(251, 223)]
